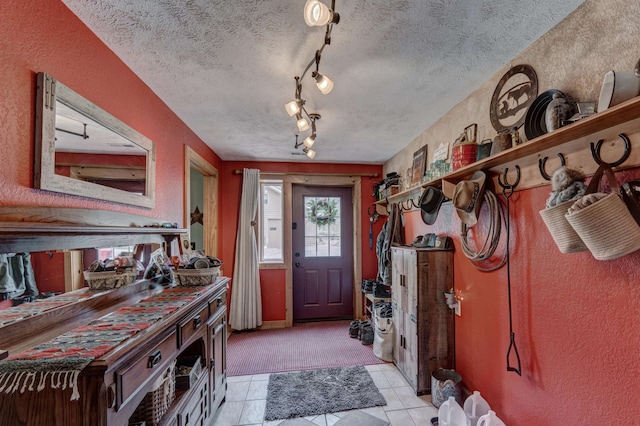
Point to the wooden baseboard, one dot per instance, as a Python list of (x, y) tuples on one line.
[(267, 325)]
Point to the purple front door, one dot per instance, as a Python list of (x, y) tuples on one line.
[(322, 252)]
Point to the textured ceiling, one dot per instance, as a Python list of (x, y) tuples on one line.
[(227, 67)]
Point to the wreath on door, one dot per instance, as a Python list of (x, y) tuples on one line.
[(322, 212)]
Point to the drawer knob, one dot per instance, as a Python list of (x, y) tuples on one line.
[(196, 322), (154, 359)]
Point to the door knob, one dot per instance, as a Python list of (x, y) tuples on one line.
[(297, 264)]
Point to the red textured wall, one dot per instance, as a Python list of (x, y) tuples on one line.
[(575, 320), (273, 281), (37, 36)]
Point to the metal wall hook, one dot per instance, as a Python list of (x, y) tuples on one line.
[(417, 206), (507, 187), (543, 161), (595, 151)]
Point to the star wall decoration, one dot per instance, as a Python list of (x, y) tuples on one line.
[(196, 216)]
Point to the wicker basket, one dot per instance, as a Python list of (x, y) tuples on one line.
[(109, 279), (157, 402), (196, 277), (565, 237), (188, 369), (607, 228)]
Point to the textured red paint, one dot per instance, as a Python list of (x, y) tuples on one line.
[(274, 307), (574, 319), (273, 284), (48, 271)]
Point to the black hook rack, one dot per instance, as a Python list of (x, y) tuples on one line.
[(543, 161), (595, 151)]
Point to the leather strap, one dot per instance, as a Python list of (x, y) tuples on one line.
[(594, 184)]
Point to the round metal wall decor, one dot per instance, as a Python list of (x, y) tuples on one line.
[(515, 91)]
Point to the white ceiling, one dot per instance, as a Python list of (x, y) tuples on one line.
[(227, 67)]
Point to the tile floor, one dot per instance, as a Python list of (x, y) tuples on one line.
[(246, 401)]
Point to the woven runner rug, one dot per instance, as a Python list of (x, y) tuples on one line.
[(58, 362), (304, 346), (328, 390)]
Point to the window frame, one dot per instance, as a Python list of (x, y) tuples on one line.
[(260, 223)]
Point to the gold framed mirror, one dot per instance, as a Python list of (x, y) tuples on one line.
[(83, 150)]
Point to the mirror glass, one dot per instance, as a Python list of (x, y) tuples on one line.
[(83, 150)]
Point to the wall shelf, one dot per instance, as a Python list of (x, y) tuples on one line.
[(572, 141), (42, 229)]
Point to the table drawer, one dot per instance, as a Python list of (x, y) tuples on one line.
[(192, 324), (217, 303), (129, 379)]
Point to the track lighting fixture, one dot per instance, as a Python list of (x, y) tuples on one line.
[(293, 107), (311, 139), (316, 13), (310, 153), (303, 124), (324, 83)]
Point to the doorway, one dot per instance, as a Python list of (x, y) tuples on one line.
[(322, 247), (202, 178)]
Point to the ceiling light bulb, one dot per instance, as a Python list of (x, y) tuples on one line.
[(317, 14), (309, 140), (303, 124), (292, 108), (311, 154), (324, 83)]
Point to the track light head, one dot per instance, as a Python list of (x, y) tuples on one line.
[(317, 14), (293, 107), (324, 83), (310, 153), (303, 124), (309, 140)]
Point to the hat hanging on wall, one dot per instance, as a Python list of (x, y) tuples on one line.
[(468, 196), (430, 202)]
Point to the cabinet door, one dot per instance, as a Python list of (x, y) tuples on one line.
[(398, 336), (411, 350), (218, 341), (411, 283)]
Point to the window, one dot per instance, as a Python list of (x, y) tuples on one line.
[(322, 233), (113, 252), (271, 235)]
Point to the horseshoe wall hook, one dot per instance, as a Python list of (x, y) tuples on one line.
[(543, 161), (595, 151)]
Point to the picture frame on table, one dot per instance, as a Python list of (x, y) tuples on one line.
[(419, 165)]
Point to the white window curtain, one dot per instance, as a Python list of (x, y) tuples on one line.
[(246, 302)]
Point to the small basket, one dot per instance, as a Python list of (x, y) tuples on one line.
[(196, 277), (109, 279), (607, 228), (188, 370), (157, 402), (565, 237)]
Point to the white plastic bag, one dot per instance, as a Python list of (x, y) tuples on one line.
[(383, 338)]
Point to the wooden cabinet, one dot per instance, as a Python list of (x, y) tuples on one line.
[(424, 333), (112, 386)]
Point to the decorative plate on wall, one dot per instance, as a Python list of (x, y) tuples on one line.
[(515, 91)]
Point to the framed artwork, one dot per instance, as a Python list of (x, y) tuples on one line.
[(419, 165)]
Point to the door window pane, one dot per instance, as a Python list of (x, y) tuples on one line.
[(322, 228)]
